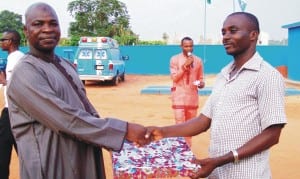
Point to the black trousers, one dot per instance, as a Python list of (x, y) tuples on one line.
[(6, 143)]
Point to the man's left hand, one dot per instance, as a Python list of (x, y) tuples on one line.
[(207, 166), (201, 84)]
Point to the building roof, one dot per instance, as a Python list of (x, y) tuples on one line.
[(293, 25)]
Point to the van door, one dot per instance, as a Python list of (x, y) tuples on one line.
[(85, 62), (101, 57)]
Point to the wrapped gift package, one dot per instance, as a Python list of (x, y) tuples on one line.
[(170, 157)]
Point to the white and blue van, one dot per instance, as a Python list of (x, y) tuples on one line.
[(100, 59)]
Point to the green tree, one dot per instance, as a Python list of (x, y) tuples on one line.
[(129, 39), (152, 42), (100, 18), (11, 20)]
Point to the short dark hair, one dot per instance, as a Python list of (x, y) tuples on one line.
[(252, 19), (16, 37), (186, 38)]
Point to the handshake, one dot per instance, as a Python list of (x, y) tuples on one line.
[(141, 135)]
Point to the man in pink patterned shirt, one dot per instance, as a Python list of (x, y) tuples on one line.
[(187, 76)]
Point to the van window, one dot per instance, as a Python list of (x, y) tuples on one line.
[(100, 54), (85, 54), (115, 54)]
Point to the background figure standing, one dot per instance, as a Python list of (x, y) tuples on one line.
[(187, 74), (245, 111), (58, 131), (10, 42)]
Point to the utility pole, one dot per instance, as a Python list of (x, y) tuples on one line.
[(233, 3), (204, 31)]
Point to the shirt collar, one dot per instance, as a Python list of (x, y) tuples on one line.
[(253, 63)]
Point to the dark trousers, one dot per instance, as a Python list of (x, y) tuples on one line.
[(6, 143)]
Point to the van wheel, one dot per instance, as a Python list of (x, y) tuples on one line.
[(116, 81), (123, 77)]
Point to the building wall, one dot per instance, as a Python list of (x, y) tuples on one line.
[(155, 59), (294, 54), (152, 60)]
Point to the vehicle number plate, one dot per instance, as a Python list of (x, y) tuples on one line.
[(99, 67)]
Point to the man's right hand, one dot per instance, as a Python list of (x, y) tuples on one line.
[(2, 78), (154, 133), (188, 62), (136, 134)]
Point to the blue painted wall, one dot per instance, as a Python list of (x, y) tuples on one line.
[(294, 53), (155, 59)]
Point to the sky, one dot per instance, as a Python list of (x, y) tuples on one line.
[(150, 19)]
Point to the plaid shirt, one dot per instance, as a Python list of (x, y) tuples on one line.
[(241, 108)]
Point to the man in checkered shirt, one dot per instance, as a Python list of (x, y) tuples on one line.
[(245, 112)]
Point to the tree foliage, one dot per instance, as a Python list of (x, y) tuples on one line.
[(152, 42), (11, 20), (100, 18)]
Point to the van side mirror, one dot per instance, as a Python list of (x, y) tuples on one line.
[(125, 57)]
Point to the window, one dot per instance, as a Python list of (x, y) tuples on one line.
[(85, 54), (100, 54)]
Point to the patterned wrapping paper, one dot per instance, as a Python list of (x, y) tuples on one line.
[(168, 157)]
